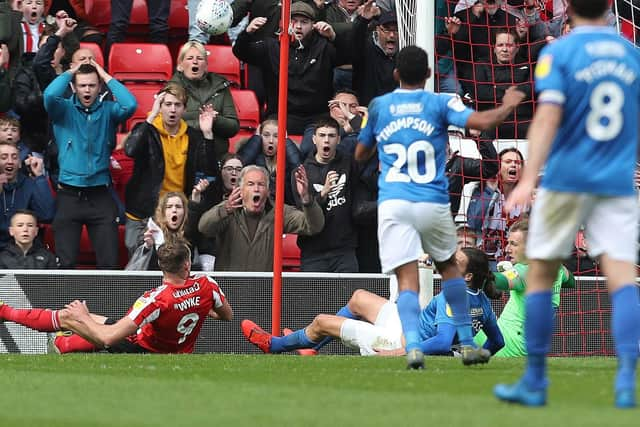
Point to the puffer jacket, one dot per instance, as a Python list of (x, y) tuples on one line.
[(36, 258), (211, 89)]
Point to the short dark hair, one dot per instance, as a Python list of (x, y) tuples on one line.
[(24, 212), (511, 150), (412, 64), (478, 265), (589, 9), (172, 255), (86, 69), (326, 122), (346, 91)]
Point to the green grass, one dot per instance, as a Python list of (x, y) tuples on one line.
[(239, 390)]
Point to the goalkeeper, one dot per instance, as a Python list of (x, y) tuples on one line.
[(512, 278)]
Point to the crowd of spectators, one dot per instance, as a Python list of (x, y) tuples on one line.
[(62, 110)]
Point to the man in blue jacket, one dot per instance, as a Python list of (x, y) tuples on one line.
[(84, 128)]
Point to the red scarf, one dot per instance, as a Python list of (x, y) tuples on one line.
[(28, 37)]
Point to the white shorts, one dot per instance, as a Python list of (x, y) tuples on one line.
[(611, 225), (385, 333), (408, 229)]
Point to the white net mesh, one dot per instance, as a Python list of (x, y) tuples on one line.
[(406, 13), (627, 13)]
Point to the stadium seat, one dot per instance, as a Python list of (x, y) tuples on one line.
[(145, 95), (86, 256), (290, 253), (234, 140), (97, 51), (121, 167), (140, 62), (221, 60), (247, 108)]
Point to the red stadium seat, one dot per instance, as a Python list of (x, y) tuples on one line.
[(86, 256), (233, 141), (247, 108), (290, 253), (140, 62), (97, 51), (222, 61), (145, 95)]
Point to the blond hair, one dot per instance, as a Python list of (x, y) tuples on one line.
[(175, 89), (188, 45)]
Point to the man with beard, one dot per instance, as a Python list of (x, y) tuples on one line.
[(243, 223), (312, 58), (169, 156), (374, 53)]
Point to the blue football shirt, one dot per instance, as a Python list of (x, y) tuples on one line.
[(593, 74), (438, 311), (410, 128)]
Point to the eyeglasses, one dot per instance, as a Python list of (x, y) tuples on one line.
[(230, 169), (388, 30)]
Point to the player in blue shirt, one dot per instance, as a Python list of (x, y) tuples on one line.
[(588, 105), (371, 323), (409, 125)]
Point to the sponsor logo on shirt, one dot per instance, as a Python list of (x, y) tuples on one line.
[(404, 109)]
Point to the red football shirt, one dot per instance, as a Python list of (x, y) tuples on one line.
[(170, 317)]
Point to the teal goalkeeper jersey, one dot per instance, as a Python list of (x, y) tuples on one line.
[(514, 310)]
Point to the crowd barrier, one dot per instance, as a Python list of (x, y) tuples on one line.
[(582, 326)]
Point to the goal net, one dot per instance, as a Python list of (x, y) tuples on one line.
[(627, 18), (464, 62)]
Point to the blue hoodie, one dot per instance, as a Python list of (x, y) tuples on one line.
[(86, 135)]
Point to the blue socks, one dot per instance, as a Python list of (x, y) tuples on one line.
[(343, 312), (455, 293), (538, 329), (625, 318), (409, 311), (296, 340)]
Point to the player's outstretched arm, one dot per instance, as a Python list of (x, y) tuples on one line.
[(99, 334), (489, 119), (224, 312), (541, 133)]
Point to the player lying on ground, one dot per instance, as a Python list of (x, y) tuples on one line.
[(513, 279), (408, 129), (371, 323), (167, 319)]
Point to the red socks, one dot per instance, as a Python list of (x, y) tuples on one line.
[(74, 343), (42, 320)]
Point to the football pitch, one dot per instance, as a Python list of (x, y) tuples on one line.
[(269, 390)]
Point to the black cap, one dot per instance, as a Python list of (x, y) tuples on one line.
[(387, 18)]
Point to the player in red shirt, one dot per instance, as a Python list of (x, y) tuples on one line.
[(166, 319)]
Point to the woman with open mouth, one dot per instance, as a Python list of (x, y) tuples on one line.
[(168, 224), (206, 88), (261, 150)]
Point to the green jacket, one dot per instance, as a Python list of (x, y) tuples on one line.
[(212, 89), (237, 252)]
